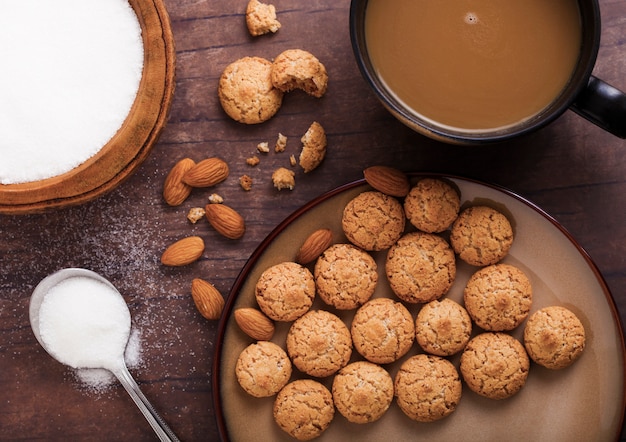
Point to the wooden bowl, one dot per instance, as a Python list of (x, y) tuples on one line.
[(132, 143)]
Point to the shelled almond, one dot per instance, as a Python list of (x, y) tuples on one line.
[(226, 220), (183, 252), (209, 301)]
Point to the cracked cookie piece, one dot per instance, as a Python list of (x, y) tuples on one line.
[(299, 69), (313, 147), (443, 328), (285, 291), (283, 178), (262, 369), (261, 18), (432, 205)]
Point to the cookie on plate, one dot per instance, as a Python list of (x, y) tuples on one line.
[(263, 368), (285, 291), (261, 18), (432, 205), (299, 69), (443, 328)]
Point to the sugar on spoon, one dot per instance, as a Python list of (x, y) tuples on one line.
[(82, 321)]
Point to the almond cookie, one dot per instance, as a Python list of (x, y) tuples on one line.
[(262, 369), (313, 147), (261, 18), (443, 328), (432, 205), (246, 92), (498, 297), (554, 337), (304, 409), (285, 291), (494, 365), (382, 330), (345, 276), (481, 236), (420, 267), (373, 221), (427, 388), (299, 69), (319, 343), (362, 392)]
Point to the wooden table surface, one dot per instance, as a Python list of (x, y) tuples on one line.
[(571, 169)]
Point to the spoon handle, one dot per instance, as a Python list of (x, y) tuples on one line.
[(156, 422)]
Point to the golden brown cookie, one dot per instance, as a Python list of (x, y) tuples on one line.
[(481, 235), (263, 368), (382, 330), (494, 365), (261, 18), (432, 205), (304, 409), (427, 388), (443, 327), (498, 297), (285, 291), (554, 337), (420, 267), (313, 147), (246, 92), (373, 221), (362, 392), (299, 69), (283, 178), (345, 276)]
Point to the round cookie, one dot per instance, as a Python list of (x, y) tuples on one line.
[(443, 328), (304, 409), (262, 369), (373, 221), (432, 205), (299, 69), (498, 297), (362, 392), (494, 365), (285, 291), (481, 235), (554, 337), (420, 267), (319, 343), (427, 388), (382, 330), (345, 276), (246, 91)]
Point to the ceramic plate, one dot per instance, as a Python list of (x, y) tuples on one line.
[(582, 402)]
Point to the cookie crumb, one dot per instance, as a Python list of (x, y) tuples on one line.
[(284, 178), (313, 147), (215, 199), (281, 143), (292, 161), (195, 214), (253, 161), (245, 182), (261, 18), (263, 147)]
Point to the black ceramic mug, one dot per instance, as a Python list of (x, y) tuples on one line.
[(585, 94)]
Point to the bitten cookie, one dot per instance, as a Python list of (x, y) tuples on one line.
[(304, 409), (362, 392), (494, 365), (319, 343), (420, 267), (432, 205), (299, 69), (481, 236), (382, 330), (261, 18), (246, 91), (428, 388), (345, 276), (313, 147), (373, 221), (443, 328), (262, 369), (285, 291), (554, 337), (498, 297)]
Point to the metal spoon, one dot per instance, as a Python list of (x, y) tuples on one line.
[(117, 367)]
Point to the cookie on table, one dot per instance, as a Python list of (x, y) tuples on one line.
[(362, 392), (420, 267), (263, 368), (304, 409), (345, 276), (373, 221), (299, 69), (443, 328), (319, 343), (495, 365), (382, 330), (481, 235), (246, 92), (427, 388), (285, 291), (554, 337), (313, 147), (261, 18), (498, 297), (432, 205)]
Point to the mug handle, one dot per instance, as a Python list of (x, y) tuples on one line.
[(603, 105)]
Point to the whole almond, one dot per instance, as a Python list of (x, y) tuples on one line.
[(183, 252), (207, 173), (314, 245), (225, 220), (209, 301), (254, 323), (387, 180), (175, 192)]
